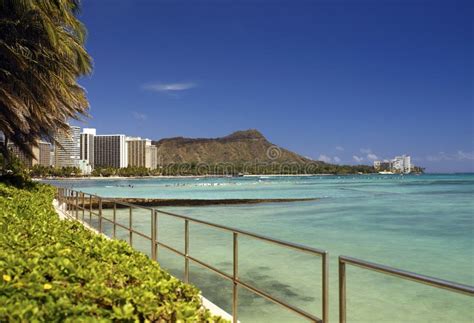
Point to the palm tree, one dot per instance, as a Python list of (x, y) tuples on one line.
[(41, 56)]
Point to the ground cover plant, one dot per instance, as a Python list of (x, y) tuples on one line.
[(56, 270)]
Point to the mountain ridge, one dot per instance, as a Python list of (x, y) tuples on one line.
[(241, 146)]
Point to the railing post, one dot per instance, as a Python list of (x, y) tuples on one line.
[(67, 200), (100, 215), (186, 251), (234, 279), (156, 234), (153, 234), (90, 209), (72, 203), (130, 237), (77, 205), (59, 197), (325, 284), (115, 220), (342, 291), (83, 206)]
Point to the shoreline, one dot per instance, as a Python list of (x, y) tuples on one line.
[(187, 176)]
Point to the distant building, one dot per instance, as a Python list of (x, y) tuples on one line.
[(85, 167), (152, 159), (26, 160), (400, 164), (44, 153), (141, 153), (87, 145), (110, 151), (67, 147), (385, 165)]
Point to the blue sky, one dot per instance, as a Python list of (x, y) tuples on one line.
[(341, 81)]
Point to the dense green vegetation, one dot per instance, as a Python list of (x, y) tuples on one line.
[(44, 171), (417, 169), (53, 270), (13, 172), (184, 169), (190, 169), (126, 172)]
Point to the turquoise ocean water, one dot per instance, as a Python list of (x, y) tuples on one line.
[(420, 223)]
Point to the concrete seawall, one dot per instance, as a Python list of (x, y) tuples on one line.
[(153, 202)]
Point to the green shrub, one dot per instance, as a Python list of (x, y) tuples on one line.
[(54, 270), (13, 172)]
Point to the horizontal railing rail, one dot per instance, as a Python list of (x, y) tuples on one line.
[(249, 234), (75, 203), (422, 279)]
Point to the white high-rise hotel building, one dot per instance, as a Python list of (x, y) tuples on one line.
[(400, 164), (87, 145)]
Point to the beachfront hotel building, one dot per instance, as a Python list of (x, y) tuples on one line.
[(67, 148), (400, 164), (151, 156), (110, 151), (87, 146), (141, 153)]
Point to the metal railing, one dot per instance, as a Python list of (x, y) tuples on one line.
[(75, 203), (431, 281)]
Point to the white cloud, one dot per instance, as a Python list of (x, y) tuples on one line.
[(339, 148), (337, 159), (372, 156), (357, 158), (369, 154), (438, 157), (324, 158), (461, 155), (169, 87), (140, 116), (458, 156)]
